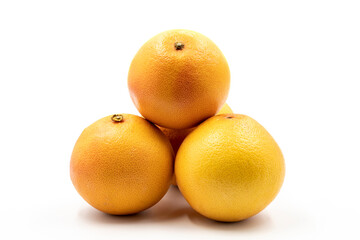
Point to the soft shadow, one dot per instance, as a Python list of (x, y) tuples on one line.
[(171, 207), (92, 215), (259, 222)]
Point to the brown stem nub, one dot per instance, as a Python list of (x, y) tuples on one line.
[(179, 46), (117, 118)]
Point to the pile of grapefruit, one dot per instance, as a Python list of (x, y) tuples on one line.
[(226, 165)]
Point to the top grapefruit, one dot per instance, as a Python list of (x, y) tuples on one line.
[(178, 79)]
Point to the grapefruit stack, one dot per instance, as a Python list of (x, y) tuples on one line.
[(226, 165)]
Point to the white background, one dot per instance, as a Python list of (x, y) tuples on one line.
[(295, 68)]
